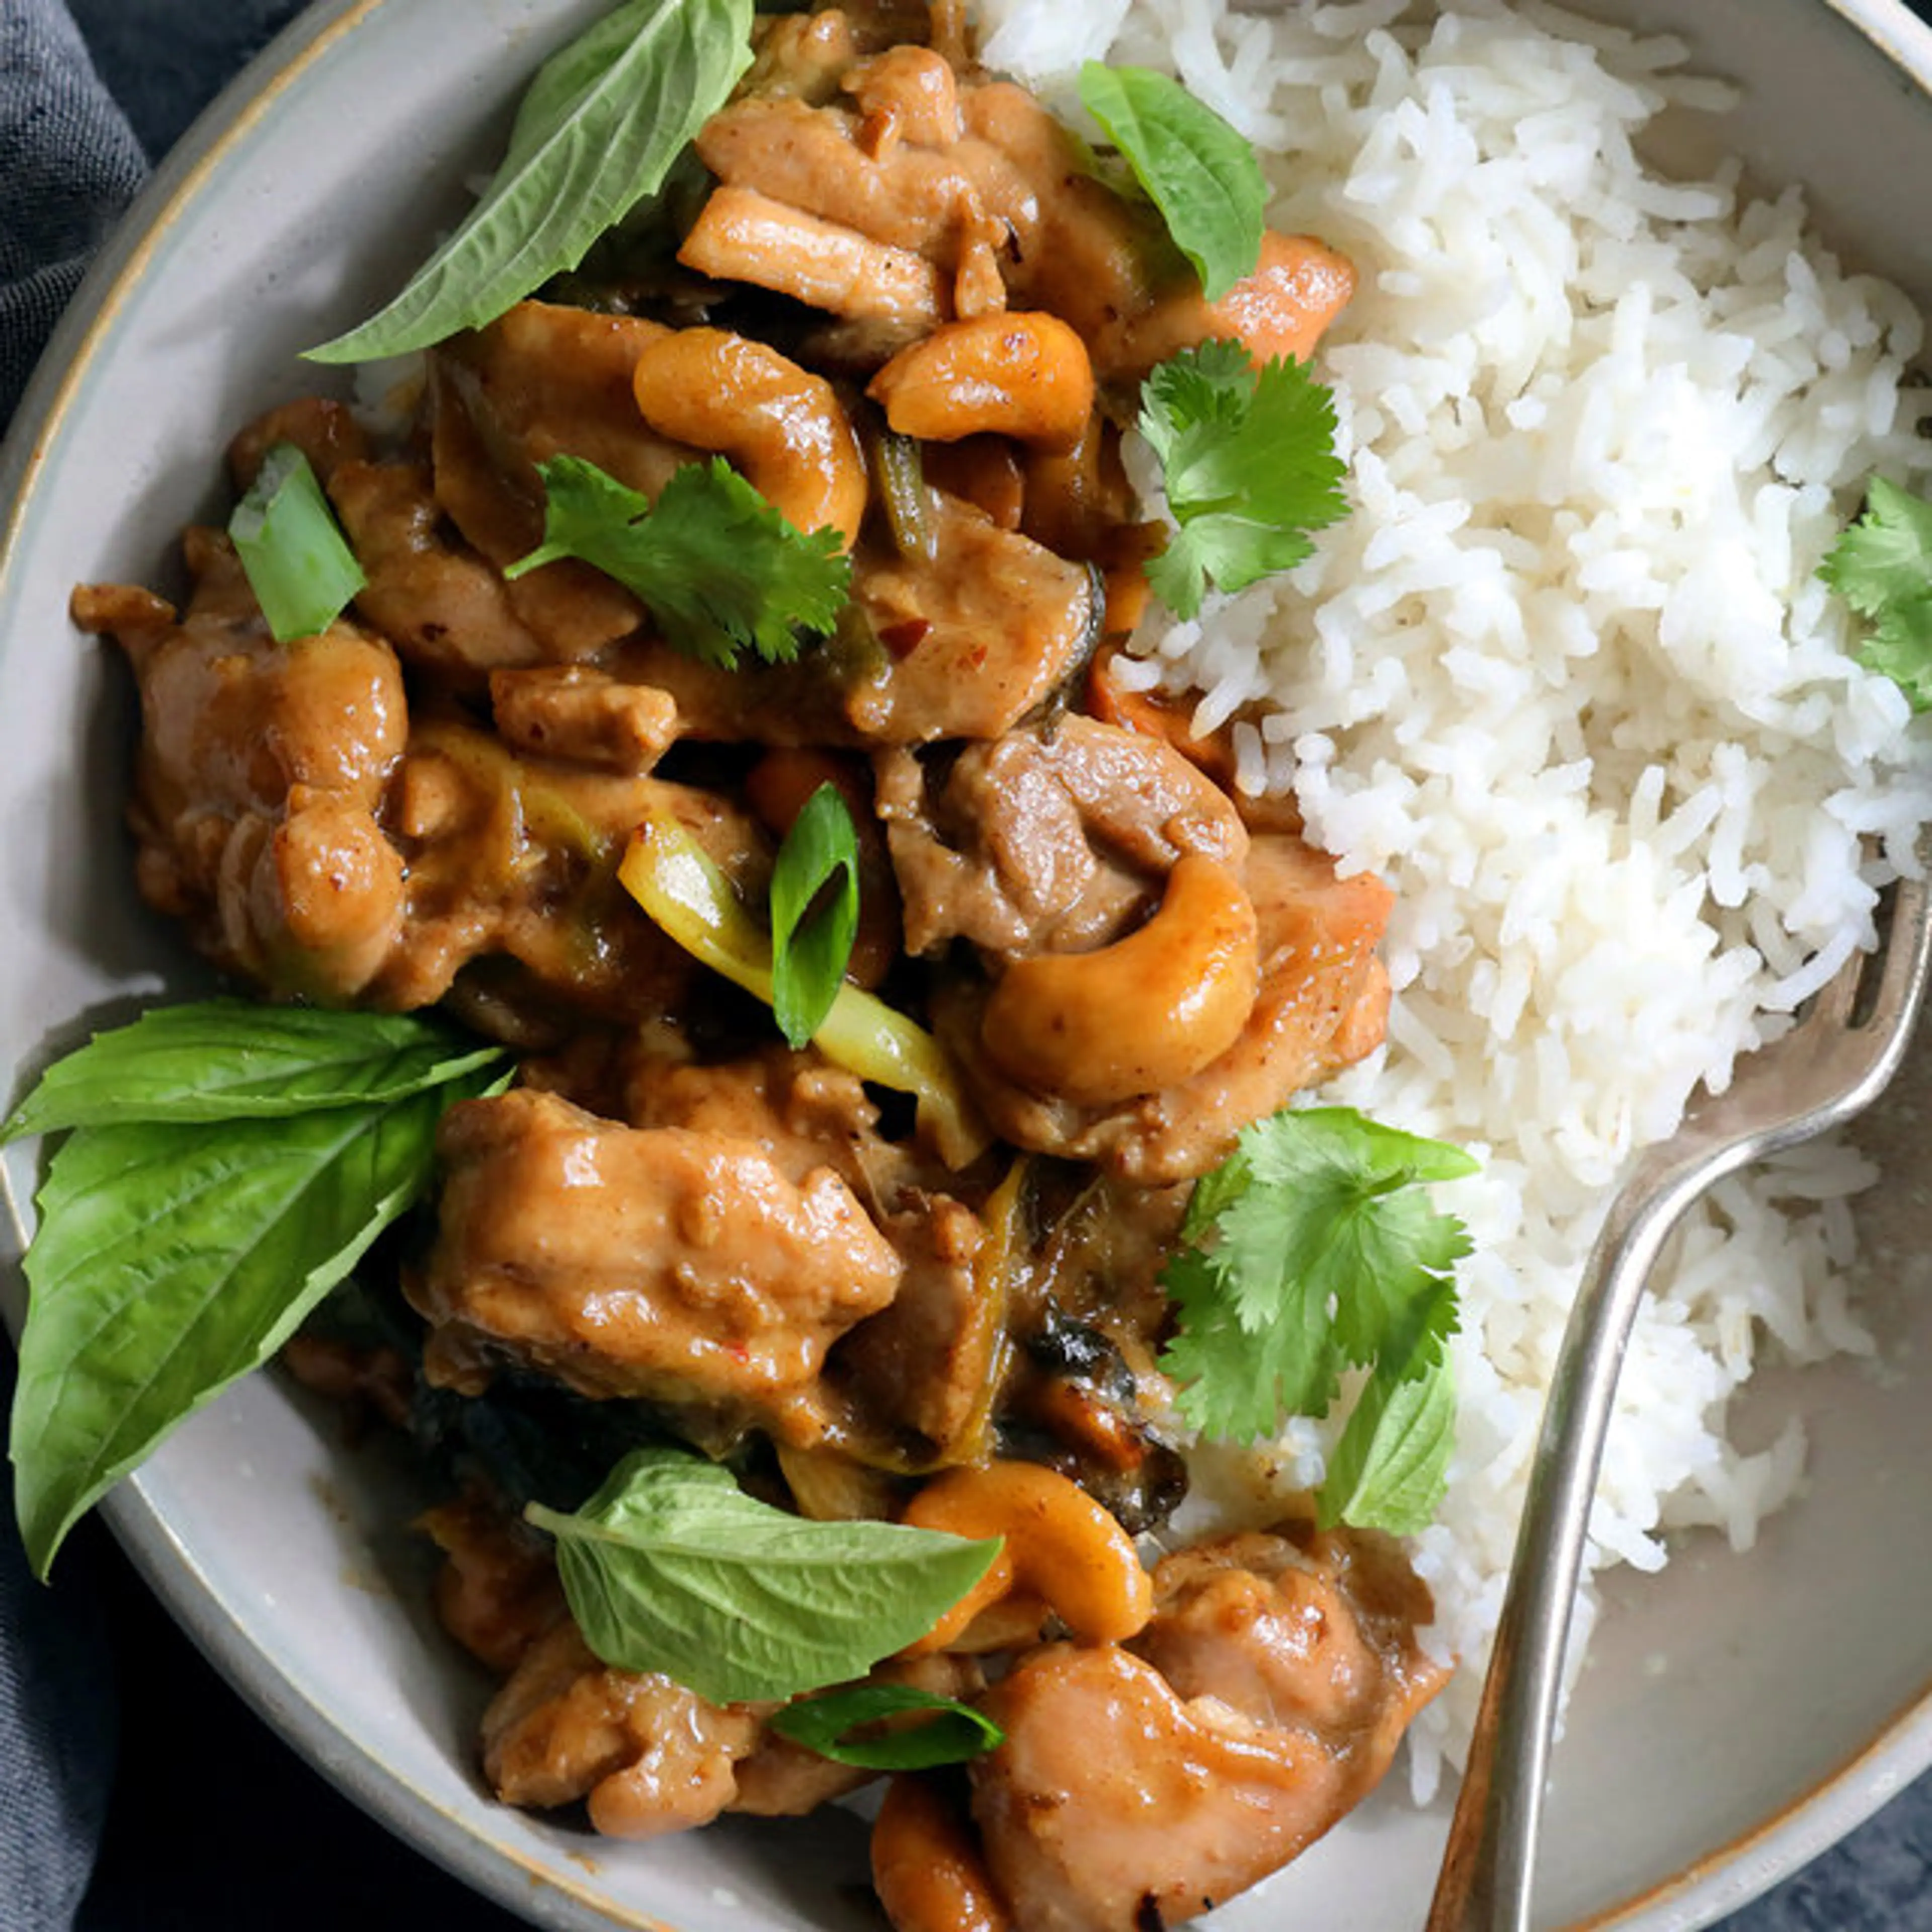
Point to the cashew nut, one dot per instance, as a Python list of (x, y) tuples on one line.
[(1025, 375), (1061, 1544), (783, 426), (928, 1869), (1143, 1014)]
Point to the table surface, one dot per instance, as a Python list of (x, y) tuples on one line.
[(211, 1817)]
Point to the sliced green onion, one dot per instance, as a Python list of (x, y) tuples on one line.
[(672, 877), (298, 563), (898, 475), (951, 1735), (814, 913)]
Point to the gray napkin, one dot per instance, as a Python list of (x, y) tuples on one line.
[(71, 158), (69, 162)]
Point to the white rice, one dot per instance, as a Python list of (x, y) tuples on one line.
[(1567, 678)]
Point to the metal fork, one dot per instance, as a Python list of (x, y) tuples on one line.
[(1835, 1062)]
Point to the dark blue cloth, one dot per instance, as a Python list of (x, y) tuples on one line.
[(204, 1822)]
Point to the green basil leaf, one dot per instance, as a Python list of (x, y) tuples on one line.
[(172, 1258), (951, 1734), (1200, 173), (811, 936), (596, 133), (293, 551), (229, 1059), (671, 1567)]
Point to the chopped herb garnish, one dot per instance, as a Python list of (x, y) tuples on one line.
[(814, 913), (718, 567), (671, 1567), (1882, 567), (297, 562), (1248, 459), (1311, 1249)]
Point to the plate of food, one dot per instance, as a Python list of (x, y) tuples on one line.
[(850, 849)]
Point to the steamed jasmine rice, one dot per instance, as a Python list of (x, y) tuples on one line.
[(1567, 678)]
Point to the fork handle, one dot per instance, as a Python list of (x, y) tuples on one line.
[(1489, 1864)]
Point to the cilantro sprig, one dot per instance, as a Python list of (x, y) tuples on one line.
[(718, 566), (1881, 566), (1248, 460), (1312, 1250)]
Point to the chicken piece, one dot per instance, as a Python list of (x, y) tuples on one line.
[(905, 94), (497, 1592), (799, 1109), (325, 431), (577, 712), (513, 904), (260, 772), (1050, 838), (1321, 1004), (743, 236), (1315, 1631), (652, 1757), (922, 1372), (648, 1756), (441, 604), (676, 1265), (1115, 1805), (1293, 1683), (917, 1375), (1067, 243)]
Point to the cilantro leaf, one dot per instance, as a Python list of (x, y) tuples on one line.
[(1881, 566), (1248, 460), (1311, 1251), (718, 567)]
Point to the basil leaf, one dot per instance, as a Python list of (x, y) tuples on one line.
[(671, 1567), (810, 947), (229, 1059), (172, 1258), (1200, 173), (953, 1734), (295, 558), (596, 133)]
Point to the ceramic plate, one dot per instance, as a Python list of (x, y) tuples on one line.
[(1739, 1712)]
